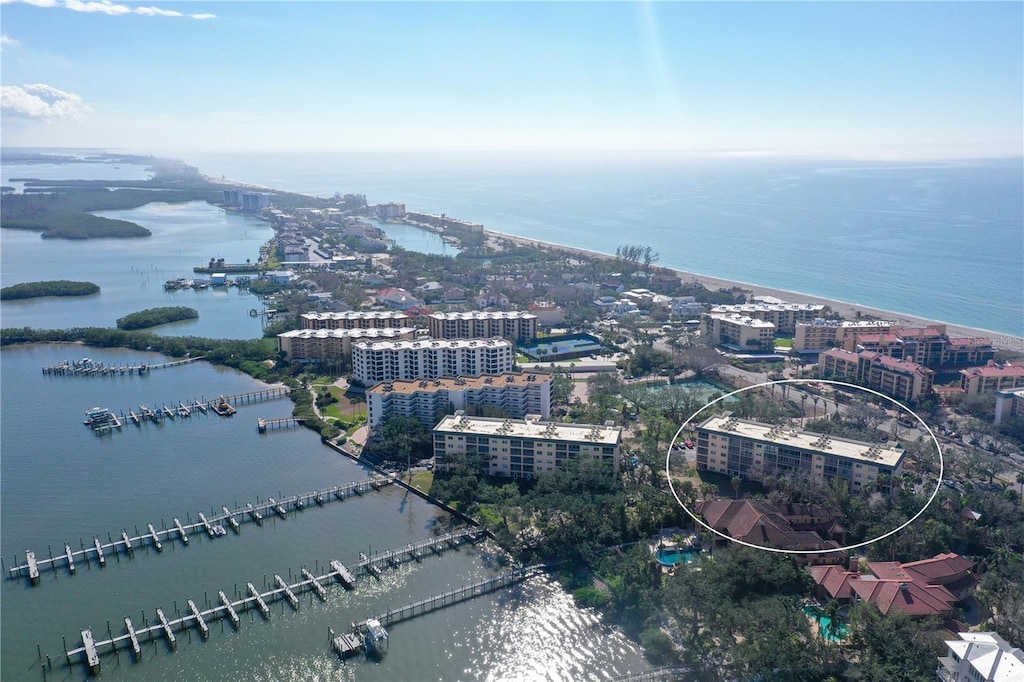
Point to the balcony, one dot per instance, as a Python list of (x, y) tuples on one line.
[(946, 672)]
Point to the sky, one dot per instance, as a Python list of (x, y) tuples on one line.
[(882, 80)]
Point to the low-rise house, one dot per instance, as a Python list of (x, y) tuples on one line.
[(930, 587), (980, 657)]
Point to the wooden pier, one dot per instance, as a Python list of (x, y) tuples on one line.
[(263, 425), (253, 598), (87, 367), (460, 594), (211, 525)]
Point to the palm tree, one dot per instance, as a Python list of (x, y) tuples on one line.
[(803, 399), (815, 399), (1020, 480), (832, 628), (737, 483)]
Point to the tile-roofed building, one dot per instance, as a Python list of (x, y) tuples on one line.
[(992, 378), (912, 598), (900, 379), (929, 346), (929, 587), (980, 657), (833, 582), (794, 527)]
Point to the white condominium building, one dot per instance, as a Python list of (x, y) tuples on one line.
[(356, 319), (517, 395), (324, 344), (514, 325), (525, 448), (783, 315), (740, 447), (430, 358)]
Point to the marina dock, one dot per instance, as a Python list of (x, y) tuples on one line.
[(105, 421), (211, 525), (87, 367), (253, 598)]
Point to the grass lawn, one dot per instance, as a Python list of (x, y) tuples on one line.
[(422, 480)]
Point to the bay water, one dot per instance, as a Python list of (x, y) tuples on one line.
[(61, 483)]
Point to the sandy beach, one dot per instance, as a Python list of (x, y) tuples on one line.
[(846, 309)]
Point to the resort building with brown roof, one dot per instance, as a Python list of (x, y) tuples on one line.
[(790, 527), (930, 587)]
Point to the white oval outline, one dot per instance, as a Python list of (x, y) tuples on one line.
[(938, 483)]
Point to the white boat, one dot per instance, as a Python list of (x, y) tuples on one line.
[(375, 639)]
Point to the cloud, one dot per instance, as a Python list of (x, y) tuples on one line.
[(41, 102), (109, 8), (7, 41)]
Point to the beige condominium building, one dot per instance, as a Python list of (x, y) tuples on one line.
[(513, 325), (356, 319), (330, 344), (516, 394), (740, 447), (525, 448), (784, 316), (430, 358), (820, 335), (738, 331)]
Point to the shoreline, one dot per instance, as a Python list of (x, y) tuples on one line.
[(848, 310)]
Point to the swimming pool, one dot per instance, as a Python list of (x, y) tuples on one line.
[(670, 556), (824, 623)]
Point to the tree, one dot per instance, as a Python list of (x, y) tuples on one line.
[(737, 483), (701, 360)]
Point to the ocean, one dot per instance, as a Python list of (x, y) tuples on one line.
[(938, 240)]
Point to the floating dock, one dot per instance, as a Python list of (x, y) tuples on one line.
[(255, 599)]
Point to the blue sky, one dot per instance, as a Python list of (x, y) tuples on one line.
[(869, 80)]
